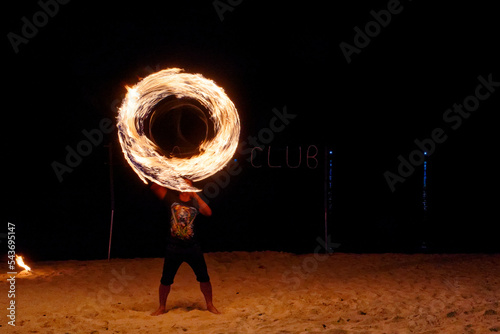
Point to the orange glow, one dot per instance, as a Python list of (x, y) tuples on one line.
[(143, 155), (20, 262)]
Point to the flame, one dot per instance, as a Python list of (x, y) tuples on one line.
[(20, 262), (143, 155)]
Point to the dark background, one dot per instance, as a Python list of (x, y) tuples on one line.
[(72, 74)]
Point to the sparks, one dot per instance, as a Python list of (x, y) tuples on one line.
[(144, 156), (20, 262)]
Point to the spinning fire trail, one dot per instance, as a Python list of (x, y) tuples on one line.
[(173, 96)]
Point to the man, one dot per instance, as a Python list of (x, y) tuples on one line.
[(182, 243)]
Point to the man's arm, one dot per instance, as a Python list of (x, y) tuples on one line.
[(159, 190), (204, 208)]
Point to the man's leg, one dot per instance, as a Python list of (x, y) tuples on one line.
[(163, 292), (197, 262), (171, 264), (206, 289)]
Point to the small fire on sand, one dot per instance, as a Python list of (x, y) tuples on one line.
[(20, 262)]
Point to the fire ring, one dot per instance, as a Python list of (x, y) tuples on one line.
[(207, 101)]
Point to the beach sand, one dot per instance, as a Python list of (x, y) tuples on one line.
[(264, 292)]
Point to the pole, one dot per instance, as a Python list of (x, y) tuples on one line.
[(329, 245), (424, 204), (326, 198), (110, 233), (424, 189), (112, 194)]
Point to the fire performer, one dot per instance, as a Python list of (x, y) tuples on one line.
[(182, 245)]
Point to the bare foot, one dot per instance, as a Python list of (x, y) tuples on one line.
[(159, 311), (211, 308)]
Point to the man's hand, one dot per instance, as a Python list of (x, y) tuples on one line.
[(204, 208), (159, 191)]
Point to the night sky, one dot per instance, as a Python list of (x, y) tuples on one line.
[(367, 102)]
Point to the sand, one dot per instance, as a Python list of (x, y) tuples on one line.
[(265, 292)]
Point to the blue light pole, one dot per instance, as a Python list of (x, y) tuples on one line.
[(328, 195), (424, 201), (424, 191)]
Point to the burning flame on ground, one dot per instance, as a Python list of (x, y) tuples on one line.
[(20, 262), (143, 155)]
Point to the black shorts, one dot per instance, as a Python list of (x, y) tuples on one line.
[(176, 255)]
